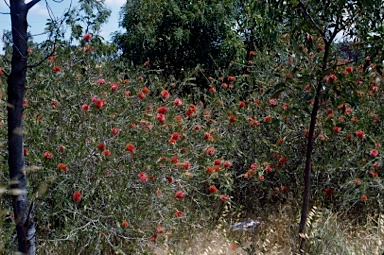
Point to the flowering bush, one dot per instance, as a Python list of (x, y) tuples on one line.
[(121, 158)]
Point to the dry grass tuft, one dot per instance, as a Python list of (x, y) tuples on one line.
[(327, 234)]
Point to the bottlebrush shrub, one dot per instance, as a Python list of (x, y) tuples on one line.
[(261, 153)]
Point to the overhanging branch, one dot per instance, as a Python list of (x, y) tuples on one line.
[(312, 20), (32, 3)]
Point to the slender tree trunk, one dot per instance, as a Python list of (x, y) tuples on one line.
[(25, 227), (310, 145)]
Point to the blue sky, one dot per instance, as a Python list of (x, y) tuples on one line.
[(38, 15)]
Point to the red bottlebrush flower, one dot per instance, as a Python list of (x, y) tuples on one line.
[(307, 88), (130, 147), (61, 148), (336, 129), (1, 70), (224, 198), (124, 224), (212, 89), (127, 93), (159, 229), (232, 119), (321, 137), (186, 165), (285, 107), (357, 181), (101, 147), (273, 102), (169, 179), (141, 95), (196, 127), (143, 177), (85, 107), (25, 152), (179, 119), (241, 104), (374, 153), (231, 78), (47, 155), (54, 104), (174, 160), (261, 177), (146, 63), (77, 196), (178, 214), (207, 135), (114, 87), (328, 192), (101, 81), (252, 53), (360, 134), (175, 136), (162, 110), (275, 155), (145, 90), (217, 162), (107, 153), (99, 103), (62, 167), (283, 160), (254, 166), (210, 151), (56, 69), (165, 94), (178, 102), (268, 168), (364, 198), (216, 168), (373, 174), (209, 170), (349, 69), (224, 85), (172, 141), (268, 119), (227, 164), (180, 194), (212, 189), (115, 131), (158, 192), (87, 37), (160, 117)]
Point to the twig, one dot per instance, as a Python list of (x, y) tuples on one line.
[(313, 21)]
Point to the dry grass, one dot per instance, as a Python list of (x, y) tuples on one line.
[(277, 234)]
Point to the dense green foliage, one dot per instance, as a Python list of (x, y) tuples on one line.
[(176, 35)]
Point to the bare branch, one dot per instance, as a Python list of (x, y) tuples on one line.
[(46, 57), (7, 4), (322, 33), (32, 3)]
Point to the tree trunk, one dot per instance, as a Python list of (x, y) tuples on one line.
[(25, 227)]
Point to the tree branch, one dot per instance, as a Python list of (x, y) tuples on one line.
[(32, 3), (46, 57), (312, 20)]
